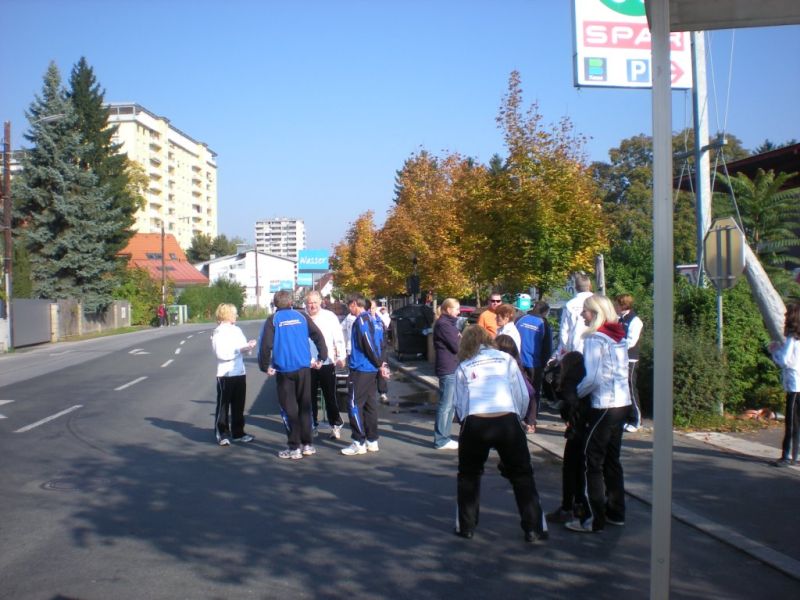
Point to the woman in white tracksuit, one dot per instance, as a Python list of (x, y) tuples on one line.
[(787, 356), (605, 356), (490, 401)]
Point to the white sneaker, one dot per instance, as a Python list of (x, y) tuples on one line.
[(291, 454), (372, 446), (630, 428), (224, 442), (336, 432), (450, 445), (384, 399), (354, 448), (308, 450)]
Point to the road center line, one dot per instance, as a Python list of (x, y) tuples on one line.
[(183, 342), (166, 364), (130, 383), (177, 350), (48, 419)]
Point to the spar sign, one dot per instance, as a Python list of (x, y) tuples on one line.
[(612, 46)]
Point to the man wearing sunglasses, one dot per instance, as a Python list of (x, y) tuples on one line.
[(487, 319)]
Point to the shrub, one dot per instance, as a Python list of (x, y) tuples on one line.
[(142, 292), (202, 302), (700, 374)]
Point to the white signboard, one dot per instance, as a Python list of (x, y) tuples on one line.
[(612, 46)]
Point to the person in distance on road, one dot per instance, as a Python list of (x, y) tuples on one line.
[(605, 355), (366, 360), (285, 352), (491, 399), (633, 329), (229, 344), (487, 318), (325, 377), (446, 338), (787, 356)]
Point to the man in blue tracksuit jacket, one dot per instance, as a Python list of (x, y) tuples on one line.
[(284, 351), (366, 361)]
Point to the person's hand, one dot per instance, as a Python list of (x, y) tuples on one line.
[(316, 364), (340, 363), (270, 372), (385, 372)]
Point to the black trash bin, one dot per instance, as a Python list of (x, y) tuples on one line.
[(410, 325)]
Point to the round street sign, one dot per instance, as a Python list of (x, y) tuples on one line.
[(723, 248)]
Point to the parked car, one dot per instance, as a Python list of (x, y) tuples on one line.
[(410, 327)]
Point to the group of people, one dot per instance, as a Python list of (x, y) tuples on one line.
[(489, 379), (302, 349)]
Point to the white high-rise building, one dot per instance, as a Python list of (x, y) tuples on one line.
[(281, 236), (182, 173)]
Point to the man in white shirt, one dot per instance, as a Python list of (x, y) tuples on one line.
[(570, 335), (325, 376)]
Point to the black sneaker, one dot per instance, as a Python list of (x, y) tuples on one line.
[(560, 516), (531, 537), (784, 462)]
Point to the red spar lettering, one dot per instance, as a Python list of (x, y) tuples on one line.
[(603, 34)]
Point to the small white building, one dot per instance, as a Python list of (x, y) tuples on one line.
[(270, 274)]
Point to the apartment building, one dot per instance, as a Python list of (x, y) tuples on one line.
[(182, 192), (281, 236)]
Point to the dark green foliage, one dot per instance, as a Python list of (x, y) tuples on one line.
[(144, 294), (700, 377), (23, 288), (100, 155), (55, 200), (203, 246), (202, 302)]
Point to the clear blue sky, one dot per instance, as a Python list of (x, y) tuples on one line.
[(313, 105)]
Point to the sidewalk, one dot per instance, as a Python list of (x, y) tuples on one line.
[(718, 480)]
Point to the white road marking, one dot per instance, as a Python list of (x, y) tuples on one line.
[(1, 404), (177, 350), (166, 364), (138, 351), (183, 342), (48, 419), (130, 383), (188, 337)]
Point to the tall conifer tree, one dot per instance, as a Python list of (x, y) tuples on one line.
[(101, 155), (65, 218)]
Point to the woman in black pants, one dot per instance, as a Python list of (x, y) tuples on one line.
[(605, 355)]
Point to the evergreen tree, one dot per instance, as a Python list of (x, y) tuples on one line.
[(65, 217), (102, 156)]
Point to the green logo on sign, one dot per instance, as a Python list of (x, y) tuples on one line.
[(632, 8)]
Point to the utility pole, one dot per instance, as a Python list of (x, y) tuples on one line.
[(8, 252), (701, 146), (163, 269)]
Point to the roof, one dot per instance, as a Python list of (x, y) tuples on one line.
[(144, 251), (780, 160)]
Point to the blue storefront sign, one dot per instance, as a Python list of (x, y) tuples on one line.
[(306, 279), (312, 261)]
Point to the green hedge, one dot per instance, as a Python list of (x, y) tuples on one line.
[(202, 302)]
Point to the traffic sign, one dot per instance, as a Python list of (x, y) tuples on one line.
[(723, 248)]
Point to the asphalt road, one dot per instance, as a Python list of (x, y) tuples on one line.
[(127, 496)]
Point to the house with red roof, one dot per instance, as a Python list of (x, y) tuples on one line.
[(144, 250)]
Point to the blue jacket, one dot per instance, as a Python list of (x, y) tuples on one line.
[(446, 339), (366, 344), (532, 335), (284, 341)]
